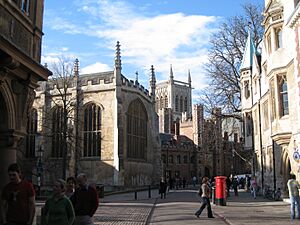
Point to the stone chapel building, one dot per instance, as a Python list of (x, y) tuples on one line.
[(114, 129)]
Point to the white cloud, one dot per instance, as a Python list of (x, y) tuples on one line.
[(158, 40), (96, 67)]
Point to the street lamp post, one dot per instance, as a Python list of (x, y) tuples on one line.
[(39, 168)]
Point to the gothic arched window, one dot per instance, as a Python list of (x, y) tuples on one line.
[(176, 103), (161, 102), (31, 133), (284, 101), (137, 121), (57, 132), (157, 104), (166, 101), (92, 131), (181, 104), (185, 159)]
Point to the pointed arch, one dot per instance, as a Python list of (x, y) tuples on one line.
[(57, 132), (92, 124), (32, 123), (137, 124)]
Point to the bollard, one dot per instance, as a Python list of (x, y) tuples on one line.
[(213, 198), (135, 195), (149, 192)]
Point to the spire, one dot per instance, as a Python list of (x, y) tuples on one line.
[(152, 82), (76, 67), (171, 73), (249, 51), (118, 66), (118, 63), (189, 78)]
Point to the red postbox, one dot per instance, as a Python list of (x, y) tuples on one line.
[(221, 190)]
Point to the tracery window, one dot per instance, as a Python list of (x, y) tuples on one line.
[(181, 104), (137, 121), (92, 131), (57, 132), (166, 101), (31, 134), (171, 160), (157, 104), (176, 103), (283, 97)]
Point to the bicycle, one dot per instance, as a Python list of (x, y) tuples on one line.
[(271, 194)]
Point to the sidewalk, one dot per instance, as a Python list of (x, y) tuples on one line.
[(246, 210)]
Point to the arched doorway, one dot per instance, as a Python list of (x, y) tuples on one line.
[(285, 170), (4, 140)]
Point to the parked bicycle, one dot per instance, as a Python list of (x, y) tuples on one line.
[(271, 194)]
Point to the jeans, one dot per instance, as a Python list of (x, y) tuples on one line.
[(83, 220), (205, 203), (295, 200)]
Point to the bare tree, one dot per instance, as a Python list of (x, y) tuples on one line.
[(225, 57), (61, 124)]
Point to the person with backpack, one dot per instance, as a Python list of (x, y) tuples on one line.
[(204, 192)]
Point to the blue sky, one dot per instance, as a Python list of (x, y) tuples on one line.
[(157, 32)]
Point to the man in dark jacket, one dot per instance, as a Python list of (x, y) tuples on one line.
[(85, 201)]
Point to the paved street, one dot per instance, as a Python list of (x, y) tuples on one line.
[(179, 208)]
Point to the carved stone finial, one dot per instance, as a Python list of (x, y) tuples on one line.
[(76, 67), (118, 63), (171, 73)]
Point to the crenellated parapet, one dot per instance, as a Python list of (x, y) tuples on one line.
[(135, 86)]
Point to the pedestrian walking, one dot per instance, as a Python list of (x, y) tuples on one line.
[(85, 201), (58, 209), (294, 186), (235, 185), (194, 180), (205, 193), (162, 188), (18, 199), (254, 186), (70, 186)]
